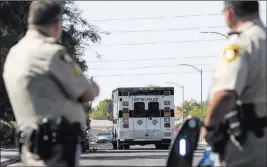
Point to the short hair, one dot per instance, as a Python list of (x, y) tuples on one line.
[(243, 8), (45, 12)]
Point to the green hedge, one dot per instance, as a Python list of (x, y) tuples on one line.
[(7, 131)]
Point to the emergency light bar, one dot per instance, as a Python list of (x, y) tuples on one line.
[(145, 88)]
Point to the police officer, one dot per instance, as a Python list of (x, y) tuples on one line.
[(240, 76), (46, 87)]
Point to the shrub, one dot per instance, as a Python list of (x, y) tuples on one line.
[(7, 131)]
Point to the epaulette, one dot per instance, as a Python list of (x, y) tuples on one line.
[(233, 33)]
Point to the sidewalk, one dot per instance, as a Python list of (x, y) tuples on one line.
[(9, 156)]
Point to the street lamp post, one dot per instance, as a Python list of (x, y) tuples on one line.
[(182, 87), (209, 32), (199, 70)]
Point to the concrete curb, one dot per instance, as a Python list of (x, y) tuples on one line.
[(10, 161)]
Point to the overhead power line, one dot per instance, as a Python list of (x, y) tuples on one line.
[(166, 73), (160, 30), (156, 43), (158, 17), (149, 59), (140, 67)]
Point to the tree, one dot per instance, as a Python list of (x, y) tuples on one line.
[(188, 106), (151, 86), (76, 35), (196, 111), (101, 112)]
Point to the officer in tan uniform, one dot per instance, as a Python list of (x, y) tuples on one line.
[(239, 84), (47, 90)]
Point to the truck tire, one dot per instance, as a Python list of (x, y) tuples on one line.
[(83, 147), (114, 144), (162, 146), (126, 147), (120, 147), (158, 146), (115, 147), (165, 146), (87, 145)]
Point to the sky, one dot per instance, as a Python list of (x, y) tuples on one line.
[(168, 36)]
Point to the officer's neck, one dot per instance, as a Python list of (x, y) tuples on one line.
[(48, 32), (241, 21)]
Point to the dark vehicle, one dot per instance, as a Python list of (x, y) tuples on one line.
[(85, 141), (85, 138)]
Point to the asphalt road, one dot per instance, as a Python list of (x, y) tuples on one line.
[(135, 157)]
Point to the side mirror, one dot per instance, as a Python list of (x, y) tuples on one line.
[(184, 144)]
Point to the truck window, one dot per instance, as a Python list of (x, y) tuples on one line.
[(139, 109), (153, 109)]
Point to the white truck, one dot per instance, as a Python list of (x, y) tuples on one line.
[(143, 116)]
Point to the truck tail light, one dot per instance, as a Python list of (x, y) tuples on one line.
[(125, 125), (125, 122), (167, 125)]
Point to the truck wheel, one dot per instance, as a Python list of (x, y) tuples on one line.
[(87, 145), (165, 146), (120, 147), (83, 147), (127, 147), (158, 146), (118, 144), (114, 145)]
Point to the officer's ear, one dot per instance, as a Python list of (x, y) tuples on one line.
[(58, 27), (229, 13)]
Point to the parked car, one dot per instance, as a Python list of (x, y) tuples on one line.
[(103, 137)]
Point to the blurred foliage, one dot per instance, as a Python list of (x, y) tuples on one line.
[(101, 112), (7, 131), (192, 107), (151, 86), (77, 34)]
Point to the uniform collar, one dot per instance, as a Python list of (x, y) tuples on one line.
[(249, 24), (40, 34)]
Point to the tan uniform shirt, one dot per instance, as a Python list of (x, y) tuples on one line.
[(244, 72), (43, 81), (243, 68)]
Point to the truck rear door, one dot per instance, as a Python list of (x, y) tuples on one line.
[(153, 119), (139, 116)]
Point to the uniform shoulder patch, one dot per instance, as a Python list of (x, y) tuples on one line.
[(77, 70), (72, 64), (231, 52), (66, 58)]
